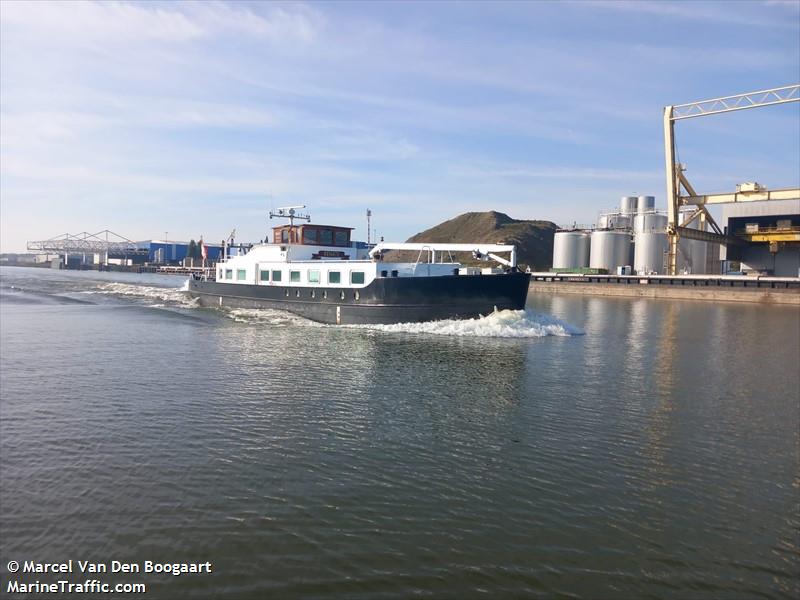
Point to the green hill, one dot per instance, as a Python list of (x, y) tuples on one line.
[(533, 239)]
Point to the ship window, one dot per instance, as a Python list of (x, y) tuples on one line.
[(384, 273), (284, 235), (395, 273), (241, 274), (313, 276), (228, 273), (309, 236), (297, 293), (356, 277), (325, 237), (325, 293), (357, 295), (341, 238), (341, 294), (264, 275), (313, 293), (294, 276), (276, 275), (220, 273), (334, 277)]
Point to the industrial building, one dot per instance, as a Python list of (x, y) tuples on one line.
[(162, 252), (771, 232), (759, 233)]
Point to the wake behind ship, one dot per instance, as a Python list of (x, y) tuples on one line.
[(317, 272)]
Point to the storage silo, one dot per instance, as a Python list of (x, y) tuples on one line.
[(645, 204), (609, 250), (618, 221), (570, 250), (627, 205), (649, 222), (651, 248), (691, 253)]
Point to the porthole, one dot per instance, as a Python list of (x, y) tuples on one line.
[(325, 293), (297, 294), (313, 293), (356, 295), (341, 294), (287, 293)]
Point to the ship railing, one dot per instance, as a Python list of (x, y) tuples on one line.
[(479, 250)]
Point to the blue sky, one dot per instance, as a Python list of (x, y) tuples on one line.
[(194, 118)]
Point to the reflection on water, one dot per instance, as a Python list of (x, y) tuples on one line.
[(653, 456)]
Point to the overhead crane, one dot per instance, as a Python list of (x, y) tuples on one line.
[(677, 182)]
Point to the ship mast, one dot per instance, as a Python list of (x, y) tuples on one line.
[(291, 213)]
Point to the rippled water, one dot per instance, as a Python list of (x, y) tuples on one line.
[(586, 447)]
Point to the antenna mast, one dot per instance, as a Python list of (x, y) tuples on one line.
[(369, 216), (291, 213)]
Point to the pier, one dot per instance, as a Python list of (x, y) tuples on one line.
[(725, 288)]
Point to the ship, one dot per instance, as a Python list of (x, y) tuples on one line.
[(318, 272)]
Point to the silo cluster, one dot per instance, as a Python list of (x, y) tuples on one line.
[(631, 239)]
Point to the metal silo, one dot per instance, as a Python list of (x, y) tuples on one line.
[(570, 250), (691, 253), (651, 247), (618, 221), (627, 205), (645, 204), (610, 249), (650, 222)]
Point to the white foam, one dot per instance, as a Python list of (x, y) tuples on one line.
[(265, 316), (499, 324), (159, 294)]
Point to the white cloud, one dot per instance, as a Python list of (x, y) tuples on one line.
[(717, 12), (115, 22)]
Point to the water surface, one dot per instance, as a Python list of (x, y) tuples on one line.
[(587, 448)]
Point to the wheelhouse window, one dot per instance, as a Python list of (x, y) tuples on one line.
[(325, 237), (356, 277), (341, 238), (309, 236), (276, 276), (264, 276), (294, 276), (241, 274), (334, 277), (313, 276), (228, 273), (284, 235)]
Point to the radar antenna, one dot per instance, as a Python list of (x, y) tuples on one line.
[(291, 213)]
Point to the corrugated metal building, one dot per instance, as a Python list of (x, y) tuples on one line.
[(775, 219)]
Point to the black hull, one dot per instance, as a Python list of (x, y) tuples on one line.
[(384, 301)]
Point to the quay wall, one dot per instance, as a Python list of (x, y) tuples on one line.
[(782, 291)]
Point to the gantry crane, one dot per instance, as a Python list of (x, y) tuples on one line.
[(677, 180)]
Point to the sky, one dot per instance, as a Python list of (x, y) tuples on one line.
[(192, 119)]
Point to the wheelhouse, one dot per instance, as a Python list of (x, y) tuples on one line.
[(312, 235)]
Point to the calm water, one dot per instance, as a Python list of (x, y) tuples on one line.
[(589, 448)]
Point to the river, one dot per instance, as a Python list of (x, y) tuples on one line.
[(587, 447)]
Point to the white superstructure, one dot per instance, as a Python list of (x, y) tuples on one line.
[(297, 262)]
